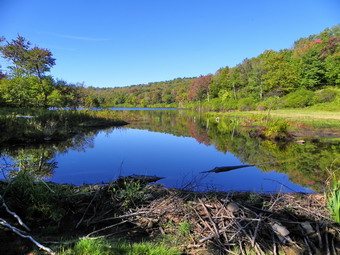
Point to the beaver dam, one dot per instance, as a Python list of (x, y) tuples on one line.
[(55, 217)]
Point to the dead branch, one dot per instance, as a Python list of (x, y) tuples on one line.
[(18, 232), (13, 214), (105, 228), (87, 208)]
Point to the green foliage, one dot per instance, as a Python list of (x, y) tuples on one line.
[(37, 200), (298, 99), (269, 103), (312, 64), (27, 60), (131, 193), (325, 96), (276, 128), (102, 246), (333, 196), (246, 104), (185, 228)]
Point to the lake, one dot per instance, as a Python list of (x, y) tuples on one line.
[(179, 145)]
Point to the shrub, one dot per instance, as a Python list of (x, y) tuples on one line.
[(325, 95), (299, 98), (269, 103), (246, 104), (276, 129), (131, 193)]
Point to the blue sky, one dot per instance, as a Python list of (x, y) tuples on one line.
[(109, 43)]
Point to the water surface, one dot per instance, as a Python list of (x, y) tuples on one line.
[(178, 146)]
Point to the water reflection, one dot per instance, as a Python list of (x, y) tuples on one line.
[(40, 160), (179, 145)]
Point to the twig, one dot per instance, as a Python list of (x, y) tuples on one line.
[(274, 245), (17, 231), (256, 230), (326, 240), (225, 229), (319, 235), (238, 231), (268, 179), (111, 234), (333, 246), (87, 208), (309, 249), (209, 217), (13, 214), (122, 216), (241, 248), (105, 228)]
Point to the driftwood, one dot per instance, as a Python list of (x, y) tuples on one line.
[(220, 169)]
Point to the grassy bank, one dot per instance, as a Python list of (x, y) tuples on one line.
[(37, 125), (129, 217), (298, 122)]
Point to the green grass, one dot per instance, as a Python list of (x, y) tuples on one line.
[(105, 247), (309, 117), (333, 197), (185, 228)]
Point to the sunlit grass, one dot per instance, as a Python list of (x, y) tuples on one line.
[(311, 118), (105, 247), (333, 196)]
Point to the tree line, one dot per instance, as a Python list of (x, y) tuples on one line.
[(306, 74)]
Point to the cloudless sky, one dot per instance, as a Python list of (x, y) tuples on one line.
[(109, 43)]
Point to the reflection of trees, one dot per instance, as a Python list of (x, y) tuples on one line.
[(305, 164), (39, 160)]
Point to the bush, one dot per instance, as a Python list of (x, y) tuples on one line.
[(276, 129), (246, 104), (272, 103), (325, 95), (298, 99)]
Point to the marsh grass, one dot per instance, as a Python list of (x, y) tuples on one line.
[(41, 124), (314, 119)]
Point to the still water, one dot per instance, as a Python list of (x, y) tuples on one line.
[(178, 147)]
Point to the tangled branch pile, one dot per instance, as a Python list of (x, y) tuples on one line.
[(200, 223)]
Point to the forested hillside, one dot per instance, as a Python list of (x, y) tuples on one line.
[(308, 74)]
